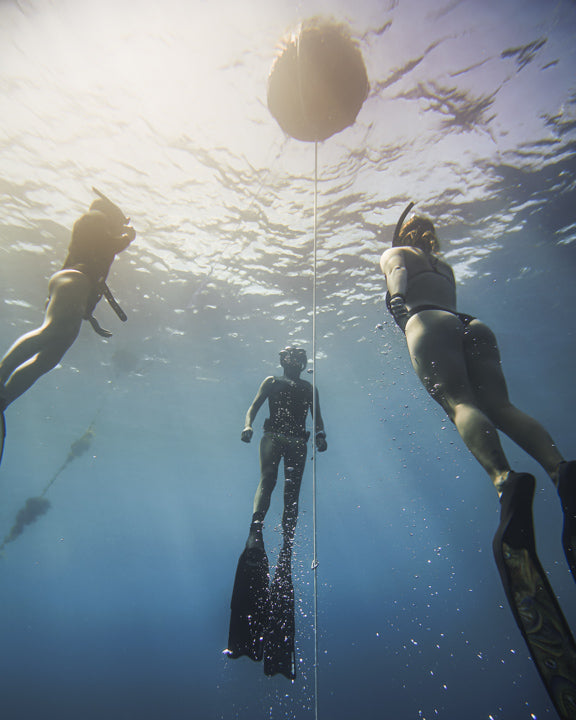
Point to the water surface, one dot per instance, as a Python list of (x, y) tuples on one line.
[(115, 603)]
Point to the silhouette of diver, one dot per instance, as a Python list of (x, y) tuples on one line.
[(456, 357), (285, 436), (262, 618), (73, 293)]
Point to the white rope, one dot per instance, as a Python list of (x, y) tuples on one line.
[(314, 526)]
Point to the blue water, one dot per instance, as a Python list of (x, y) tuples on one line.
[(115, 604)]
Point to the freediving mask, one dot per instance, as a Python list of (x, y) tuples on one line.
[(296, 355)]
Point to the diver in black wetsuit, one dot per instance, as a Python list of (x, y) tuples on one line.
[(262, 623), (285, 436), (456, 357)]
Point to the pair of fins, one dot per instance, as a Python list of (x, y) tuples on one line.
[(531, 598), (262, 624)]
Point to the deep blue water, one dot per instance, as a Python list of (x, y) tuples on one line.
[(115, 604)]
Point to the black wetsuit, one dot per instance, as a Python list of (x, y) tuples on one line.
[(285, 435), (289, 402)]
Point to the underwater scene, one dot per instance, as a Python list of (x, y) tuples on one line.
[(126, 492)]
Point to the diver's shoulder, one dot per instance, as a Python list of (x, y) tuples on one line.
[(305, 384), (403, 255), (391, 254)]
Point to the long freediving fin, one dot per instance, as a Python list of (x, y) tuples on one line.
[(279, 650), (249, 606), (531, 598), (567, 493)]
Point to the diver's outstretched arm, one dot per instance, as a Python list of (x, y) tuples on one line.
[(261, 395)]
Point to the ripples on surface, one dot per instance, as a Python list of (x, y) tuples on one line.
[(471, 114)]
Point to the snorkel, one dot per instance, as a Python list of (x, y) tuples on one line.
[(399, 224)]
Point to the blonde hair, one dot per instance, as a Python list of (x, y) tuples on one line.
[(419, 232)]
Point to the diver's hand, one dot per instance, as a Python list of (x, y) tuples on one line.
[(97, 327), (321, 444), (122, 238), (247, 434), (129, 234), (398, 309)]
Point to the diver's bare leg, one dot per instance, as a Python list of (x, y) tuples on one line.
[(29, 372), (39, 351), (294, 463), (436, 344), (21, 351), (486, 375), (270, 456)]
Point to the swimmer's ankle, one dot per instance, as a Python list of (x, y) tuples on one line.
[(257, 523), (555, 474), (500, 480)]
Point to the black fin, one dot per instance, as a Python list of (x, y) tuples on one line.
[(279, 650), (249, 606), (531, 598), (567, 493)]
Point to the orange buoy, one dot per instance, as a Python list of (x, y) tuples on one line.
[(318, 82)]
